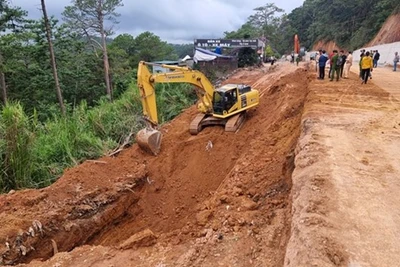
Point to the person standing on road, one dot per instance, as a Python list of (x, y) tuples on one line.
[(343, 61), (349, 63), (366, 67), (317, 56), (376, 58), (298, 59), (372, 58), (359, 64), (330, 65), (322, 63), (395, 61), (336, 62)]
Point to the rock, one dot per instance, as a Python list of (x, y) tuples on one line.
[(224, 199), (203, 217), (237, 191), (145, 238), (248, 204)]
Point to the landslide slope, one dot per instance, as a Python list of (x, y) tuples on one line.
[(189, 206), (389, 33)]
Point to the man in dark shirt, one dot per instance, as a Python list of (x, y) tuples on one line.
[(321, 63), (376, 58), (359, 64), (344, 57)]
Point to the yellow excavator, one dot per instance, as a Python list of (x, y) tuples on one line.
[(222, 106)]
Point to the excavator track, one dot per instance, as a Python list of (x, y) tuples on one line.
[(195, 126), (235, 122), (231, 124)]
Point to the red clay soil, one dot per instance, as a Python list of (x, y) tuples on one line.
[(188, 206), (389, 33), (327, 46)]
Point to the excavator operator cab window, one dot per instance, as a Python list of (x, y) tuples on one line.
[(223, 101)]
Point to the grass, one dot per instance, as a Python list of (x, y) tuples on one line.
[(34, 154)]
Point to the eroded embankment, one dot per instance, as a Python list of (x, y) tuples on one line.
[(196, 200)]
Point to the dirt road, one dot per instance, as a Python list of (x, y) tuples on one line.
[(309, 180), (385, 78), (346, 183)]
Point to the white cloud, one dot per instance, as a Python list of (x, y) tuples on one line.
[(173, 20)]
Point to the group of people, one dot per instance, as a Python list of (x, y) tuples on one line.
[(341, 62)]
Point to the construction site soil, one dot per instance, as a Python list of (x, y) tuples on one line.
[(215, 198), (328, 46), (311, 179)]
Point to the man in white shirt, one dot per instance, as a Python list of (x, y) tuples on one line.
[(349, 62)]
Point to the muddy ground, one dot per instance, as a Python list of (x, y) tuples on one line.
[(309, 180)]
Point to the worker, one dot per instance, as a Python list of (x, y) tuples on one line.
[(343, 62), (335, 65), (317, 59), (272, 60), (298, 58), (322, 63), (366, 67), (349, 63), (376, 58), (359, 64), (395, 61), (330, 64)]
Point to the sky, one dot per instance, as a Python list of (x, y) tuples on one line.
[(174, 21)]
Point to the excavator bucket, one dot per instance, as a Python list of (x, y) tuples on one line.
[(149, 140)]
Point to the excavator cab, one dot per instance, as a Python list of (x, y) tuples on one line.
[(224, 100)]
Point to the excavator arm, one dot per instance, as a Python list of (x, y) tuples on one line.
[(146, 84), (149, 139)]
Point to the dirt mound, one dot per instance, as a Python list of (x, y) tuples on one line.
[(328, 46), (389, 33), (189, 204)]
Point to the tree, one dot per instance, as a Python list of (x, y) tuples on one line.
[(183, 49), (52, 58), (149, 47), (89, 17), (263, 18), (10, 19), (246, 31), (3, 84), (268, 51)]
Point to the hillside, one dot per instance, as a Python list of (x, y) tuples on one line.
[(327, 46), (350, 24), (389, 33)]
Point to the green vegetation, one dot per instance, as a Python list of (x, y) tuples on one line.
[(350, 23), (36, 141), (34, 153)]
